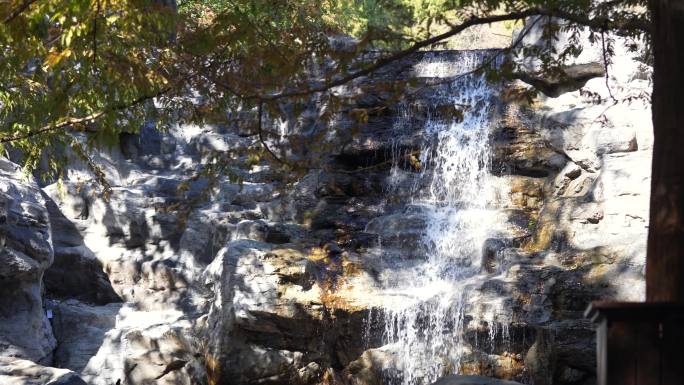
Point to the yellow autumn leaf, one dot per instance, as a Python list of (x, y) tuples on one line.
[(111, 18), (67, 37), (55, 57)]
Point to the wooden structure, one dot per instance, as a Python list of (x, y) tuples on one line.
[(639, 343)]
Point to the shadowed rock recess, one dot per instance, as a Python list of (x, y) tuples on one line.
[(278, 281)]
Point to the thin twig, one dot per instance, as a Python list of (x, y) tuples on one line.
[(383, 163), (605, 65), (93, 167), (261, 136)]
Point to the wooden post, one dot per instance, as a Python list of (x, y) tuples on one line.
[(639, 343), (665, 256)]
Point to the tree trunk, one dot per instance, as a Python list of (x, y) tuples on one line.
[(665, 257)]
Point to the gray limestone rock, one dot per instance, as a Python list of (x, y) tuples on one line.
[(26, 252), (25, 372)]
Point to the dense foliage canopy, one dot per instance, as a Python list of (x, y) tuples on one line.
[(78, 73)]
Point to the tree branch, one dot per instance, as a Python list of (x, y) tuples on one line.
[(383, 62), (85, 119), (601, 23), (526, 30), (605, 66), (24, 5)]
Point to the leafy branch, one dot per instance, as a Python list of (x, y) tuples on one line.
[(86, 119), (599, 22)]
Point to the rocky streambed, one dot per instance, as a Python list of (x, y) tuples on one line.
[(260, 277)]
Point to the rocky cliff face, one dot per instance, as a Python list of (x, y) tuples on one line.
[(274, 281), (26, 254)]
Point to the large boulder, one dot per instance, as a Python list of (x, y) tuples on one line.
[(26, 251), (251, 307), (284, 315), (116, 342), (25, 372)]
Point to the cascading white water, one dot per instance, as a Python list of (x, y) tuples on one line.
[(424, 328)]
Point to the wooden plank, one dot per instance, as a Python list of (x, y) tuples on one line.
[(672, 370), (621, 359), (637, 311), (639, 343), (649, 352)]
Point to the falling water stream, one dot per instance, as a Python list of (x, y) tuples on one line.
[(455, 196)]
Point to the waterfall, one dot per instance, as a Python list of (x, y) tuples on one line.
[(454, 195)]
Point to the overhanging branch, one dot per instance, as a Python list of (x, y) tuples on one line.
[(89, 118), (403, 54), (599, 22)]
